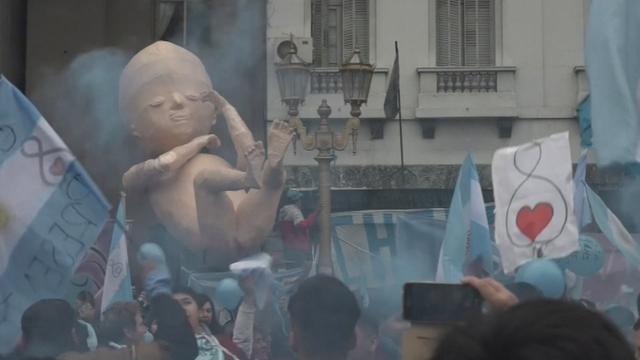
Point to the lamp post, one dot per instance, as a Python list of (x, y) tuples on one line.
[(356, 79), (293, 79)]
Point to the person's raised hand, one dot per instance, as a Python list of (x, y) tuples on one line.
[(247, 283), (494, 293)]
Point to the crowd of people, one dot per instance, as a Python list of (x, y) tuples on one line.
[(325, 322)]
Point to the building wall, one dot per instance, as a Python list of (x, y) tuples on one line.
[(542, 39)]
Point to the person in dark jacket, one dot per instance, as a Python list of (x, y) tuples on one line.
[(169, 324)]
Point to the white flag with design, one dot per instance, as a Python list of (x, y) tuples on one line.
[(533, 192)]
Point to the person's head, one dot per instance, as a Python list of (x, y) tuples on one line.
[(186, 297), (367, 330), (48, 328), (293, 197), (86, 306), (539, 329), (122, 324), (324, 313), (169, 324), (207, 313), (166, 97)]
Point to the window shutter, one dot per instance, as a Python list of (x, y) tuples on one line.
[(479, 45), (348, 15), (332, 36), (362, 27), (355, 28), (316, 31), (449, 33)]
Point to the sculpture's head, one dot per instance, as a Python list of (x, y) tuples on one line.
[(166, 97)]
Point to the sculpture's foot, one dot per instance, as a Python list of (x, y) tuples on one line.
[(255, 159), (279, 137)]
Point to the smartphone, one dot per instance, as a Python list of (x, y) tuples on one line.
[(435, 303)]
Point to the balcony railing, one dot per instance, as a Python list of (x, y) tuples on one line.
[(461, 92), (326, 81), (467, 81)]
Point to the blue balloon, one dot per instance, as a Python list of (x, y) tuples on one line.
[(587, 261), (620, 315), (151, 252), (228, 293), (545, 275)]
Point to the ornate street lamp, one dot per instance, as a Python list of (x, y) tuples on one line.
[(293, 78), (326, 142), (356, 80)]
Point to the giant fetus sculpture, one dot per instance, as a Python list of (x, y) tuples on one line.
[(168, 102)]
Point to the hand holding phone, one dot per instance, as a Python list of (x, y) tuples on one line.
[(434, 303), (494, 293)]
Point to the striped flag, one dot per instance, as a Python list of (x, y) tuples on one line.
[(613, 68), (580, 203), (117, 281), (467, 240), (613, 229), (50, 211)]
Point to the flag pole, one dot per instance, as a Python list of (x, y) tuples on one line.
[(400, 125)]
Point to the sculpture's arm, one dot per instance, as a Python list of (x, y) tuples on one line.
[(241, 136), (143, 174)]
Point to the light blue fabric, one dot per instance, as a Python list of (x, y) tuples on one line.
[(117, 286), (613, 69), (467, 238), (580, 204), (66, 214), (584, 120), (613, 229)]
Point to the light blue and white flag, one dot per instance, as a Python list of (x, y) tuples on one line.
[(50, 211), (117, 280), (613, 68), (613, 229), (580, 204), (467, 239)]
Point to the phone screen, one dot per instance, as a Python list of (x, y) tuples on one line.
[(440, 303)]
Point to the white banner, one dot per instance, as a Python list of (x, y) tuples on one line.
[(533, 193)]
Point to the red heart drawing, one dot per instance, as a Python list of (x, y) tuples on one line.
[(532, 222), (58, 167)]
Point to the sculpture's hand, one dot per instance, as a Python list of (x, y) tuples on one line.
[(167, 164), (219, 101), (210, 141), (173, 160)]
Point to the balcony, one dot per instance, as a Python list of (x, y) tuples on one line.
[(462, 92)]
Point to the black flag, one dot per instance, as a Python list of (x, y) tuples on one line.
[(392, 99)]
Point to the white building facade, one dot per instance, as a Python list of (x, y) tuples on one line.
[(475, 75)]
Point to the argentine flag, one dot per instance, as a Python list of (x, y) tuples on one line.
[(50, 211), (117, 280), (613, 68), (580, 204), (467, 240), (613, 229)]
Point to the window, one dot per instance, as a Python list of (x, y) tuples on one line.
[(337, 26), (465, 33)]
